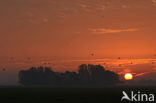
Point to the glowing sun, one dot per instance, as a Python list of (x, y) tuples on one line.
[(128, 76)]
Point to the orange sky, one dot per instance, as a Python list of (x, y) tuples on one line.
[(74, 28)]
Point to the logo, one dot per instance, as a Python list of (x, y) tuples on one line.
[(138, 96)]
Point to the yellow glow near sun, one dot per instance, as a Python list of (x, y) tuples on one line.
[(128, 76)]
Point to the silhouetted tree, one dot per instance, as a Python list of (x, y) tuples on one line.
[(96, 74), (38, 76), (84, 74), (70, 78), (87, 74)]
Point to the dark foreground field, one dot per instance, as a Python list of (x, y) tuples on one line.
[(67, 94)]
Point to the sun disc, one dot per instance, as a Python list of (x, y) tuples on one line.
[(128, 76)]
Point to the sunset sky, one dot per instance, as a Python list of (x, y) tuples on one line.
[(74, 29)]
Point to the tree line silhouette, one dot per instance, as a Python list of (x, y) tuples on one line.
[(87, 75)]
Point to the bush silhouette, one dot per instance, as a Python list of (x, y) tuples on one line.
[(96, 74), (87, 75)]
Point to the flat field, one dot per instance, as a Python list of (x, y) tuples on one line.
[(75, 94)]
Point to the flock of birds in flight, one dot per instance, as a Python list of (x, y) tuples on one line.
[(92, 54)]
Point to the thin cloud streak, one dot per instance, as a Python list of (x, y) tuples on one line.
[(108, 31), (154, 1)]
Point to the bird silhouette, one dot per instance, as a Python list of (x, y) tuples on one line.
[(92, 54), (3, 69), (29, 58), (119, 57), (11, 58)]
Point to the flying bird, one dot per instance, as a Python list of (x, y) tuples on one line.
[(45, 63), (49, 63), (29, 58), (92, 54), (120, 65), (12, 58), (3, 69)]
